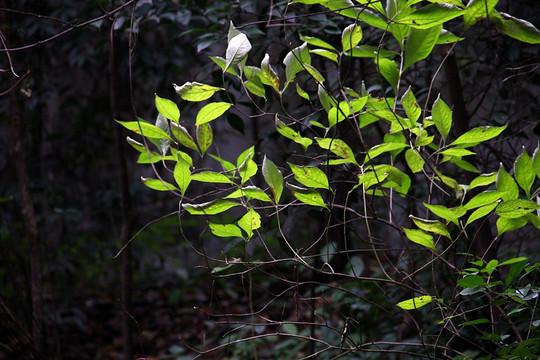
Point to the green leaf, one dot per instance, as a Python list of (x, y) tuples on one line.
[(514, 261), (273, 178), (338, 113), (211, 112), (182, 175), (237, 49), (516, 28), (312, 177), (183, 136), (222, 63), (163, 124), (338, 147), (420, 237), (412, 109), (327, 101), (505, 182), (431, 15), (516, 208), (316, 42), (249, 222), (314, 73), (145, 129), (420, 44), (249, 192), (227, 165), (477, 135), (536, 160), (370, 51), (269, 74), (477, 10), (302, 93), (255, 86), (415, 303), (209, 208), (484, 180), (484, 198), (524, 172), (390, 71), (445, 213), (382, 148), (205, 137), (307, 196), (167, 108), (505, 224), (414, 160), (211, 177), (457, 152), (225, 230), (194, 91), (350, 37), (370, 178), (465, 165), (471, 281), (157, 184), (480, 213), (433, 226), (295, 61), (442, 117), (396, 178), (325, 53), (293, 135), (246, 166), (446, 37)]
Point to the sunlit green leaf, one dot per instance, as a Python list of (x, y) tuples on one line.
[(289, 133), (414, 160), (420, 44), (516, 208), (205, 137), (194, 91), (433, 226), (524, 172), (182, 175), (307, 196), (245, 164), (338, 147), (183, 136), (269, 74), (325, 53), (167, 108), (442, 117), (412, 109), (370, 51), (389, 71), (310, 176), (516, 28), (477, 10), (273, 178), (484, 198), (445, 213), (536, 160), (250, 192), (420, 237), (431, 15), (145, 129), (382, 148), (211, 177), (505, 182), (478, 135), (295, 62), (225, 230), (211, 112), (481, 212), (249, 222), (505, 224), (350, 37), (484, 180), (157, 184), (317, 42), (415, 303), (302, 93), (209, 208)]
